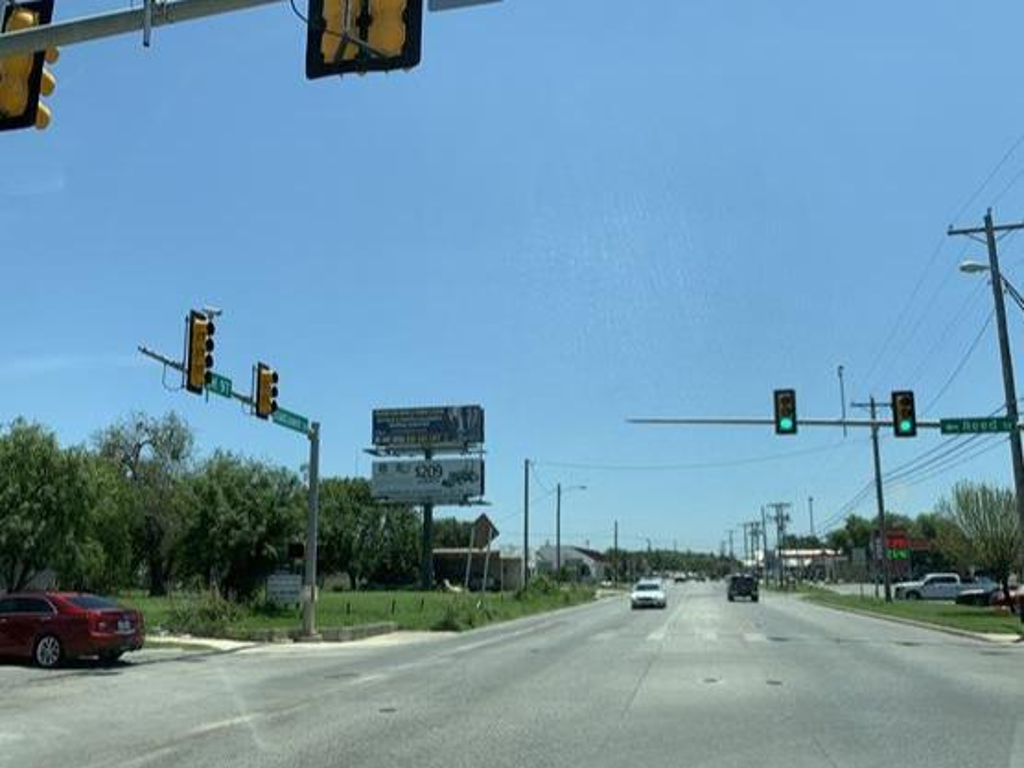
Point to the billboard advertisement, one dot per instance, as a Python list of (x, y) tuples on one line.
[(443, 427), (430, 481)]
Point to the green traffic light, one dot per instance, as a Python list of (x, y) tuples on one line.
[(785, 423), (906, 425)]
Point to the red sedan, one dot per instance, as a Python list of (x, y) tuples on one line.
[(49, 627)]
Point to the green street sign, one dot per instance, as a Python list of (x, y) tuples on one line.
[(219, 385), (899, 554), (291, 420), (976, 425)]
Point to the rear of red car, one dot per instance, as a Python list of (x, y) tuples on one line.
[(97, 626)]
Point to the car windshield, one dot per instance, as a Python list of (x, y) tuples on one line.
[(508, 383), (92, 602)]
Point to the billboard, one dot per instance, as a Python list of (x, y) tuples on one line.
[(444, 427), (430, 481)]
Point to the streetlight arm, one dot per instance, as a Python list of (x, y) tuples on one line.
[(1014, 293)]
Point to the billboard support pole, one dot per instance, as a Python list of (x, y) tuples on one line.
[(427, 546)]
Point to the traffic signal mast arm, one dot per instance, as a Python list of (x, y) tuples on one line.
[(117, 23), (771, 422), (178, 366)]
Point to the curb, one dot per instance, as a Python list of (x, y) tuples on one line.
[(977, 636)]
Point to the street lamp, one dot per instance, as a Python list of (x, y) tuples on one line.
[(558, 525), (971, 267)]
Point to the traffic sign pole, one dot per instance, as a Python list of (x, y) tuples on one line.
[(309, 596)]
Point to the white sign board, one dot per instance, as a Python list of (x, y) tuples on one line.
[(429, 481), (284, 588)]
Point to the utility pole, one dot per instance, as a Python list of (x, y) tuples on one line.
[(732, 553), (781, 517), (558, 532), (881, 556), (1009, 386), (615, 550), (842, 396), (810, 511), (764, 544), (746, 544), (526, 522)]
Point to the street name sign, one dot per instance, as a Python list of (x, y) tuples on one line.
[(429, 481), (219, 385), (291, 420), (976, 424), (451, 427)]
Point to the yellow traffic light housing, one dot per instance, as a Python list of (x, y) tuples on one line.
[(24, 77), (266, 390), (199, 355), (361, 36)]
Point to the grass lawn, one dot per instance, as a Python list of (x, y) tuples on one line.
[(944, 614), (199, 615)]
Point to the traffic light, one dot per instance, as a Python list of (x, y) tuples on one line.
[(24, 76), (266, 390), (904, 415), (199, 356), (362, 36), (785, 411)]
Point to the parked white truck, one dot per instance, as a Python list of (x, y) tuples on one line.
[(935, 586)]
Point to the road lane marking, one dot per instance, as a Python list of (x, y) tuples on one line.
[(755, 637), (499, 639), (709, 635), (658, 635), (368, 679), (217, 725)]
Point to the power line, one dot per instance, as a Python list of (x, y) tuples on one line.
[(960, 366), (944, 336), (987, 448), (697, 465)]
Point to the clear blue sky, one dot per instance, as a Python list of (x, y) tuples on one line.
[(570, 213)]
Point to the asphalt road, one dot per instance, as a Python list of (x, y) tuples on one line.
[(704, 683)]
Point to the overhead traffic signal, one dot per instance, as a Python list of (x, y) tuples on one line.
[(266, 390), (24, 76), (904, 415), (199, 355), (785, 411), (362, 36)]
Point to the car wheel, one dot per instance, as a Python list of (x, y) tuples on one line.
[(48, 652), (913, 595), (754, 599), (732, 599)]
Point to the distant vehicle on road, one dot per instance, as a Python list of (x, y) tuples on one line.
[(49, 627), (743, 585), (680, 578), (648, 593), (989, 595), (938, 586)]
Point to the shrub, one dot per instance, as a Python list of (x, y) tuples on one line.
[(205, 615)]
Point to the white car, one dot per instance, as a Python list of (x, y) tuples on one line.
[(648, 593)]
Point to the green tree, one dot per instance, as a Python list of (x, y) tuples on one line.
[(451, 532), (983, 528), (103, 561), (155, 456), (247, 512), (43, 504)]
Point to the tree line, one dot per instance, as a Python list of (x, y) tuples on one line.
[(136, 508)]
